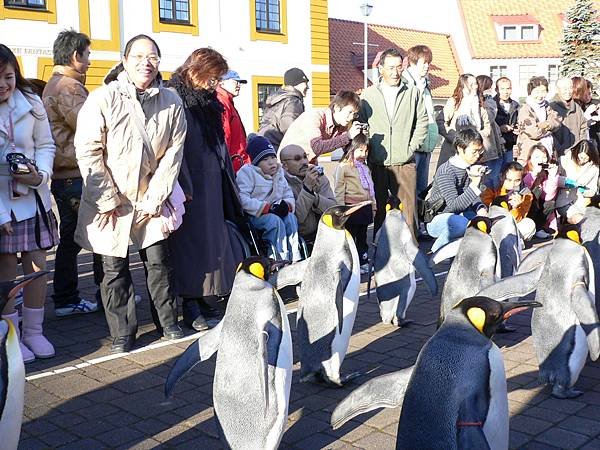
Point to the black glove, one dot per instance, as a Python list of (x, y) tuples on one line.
[(280, 209)]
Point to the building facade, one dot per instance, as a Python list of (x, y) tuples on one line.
[(260, 39)]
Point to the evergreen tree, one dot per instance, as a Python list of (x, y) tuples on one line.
[(580, 45)]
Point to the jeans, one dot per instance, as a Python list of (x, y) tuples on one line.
[(492, 179), (446, 227), (359, 235), (281, 232), (422, 163), (117, 290), (67, 194)]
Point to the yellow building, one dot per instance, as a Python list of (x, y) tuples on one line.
[(261, 39)]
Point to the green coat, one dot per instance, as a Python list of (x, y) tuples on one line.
[(393, 141)]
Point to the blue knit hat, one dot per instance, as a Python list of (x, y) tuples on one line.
[(259, 148)]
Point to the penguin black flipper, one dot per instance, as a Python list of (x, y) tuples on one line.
[(342, 279), (422, 265), (289, 275), (385, 391), (518, 285), (200, 350), (272, 337), (585, 309)]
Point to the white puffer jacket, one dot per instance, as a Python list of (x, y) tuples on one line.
[(258, 189)]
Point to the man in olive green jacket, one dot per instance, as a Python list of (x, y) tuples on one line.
[(397, 120)]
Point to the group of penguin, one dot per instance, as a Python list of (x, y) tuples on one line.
[(457, 385)]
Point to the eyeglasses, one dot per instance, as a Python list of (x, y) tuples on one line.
[(152, 59), (297, 158), (480, 151)]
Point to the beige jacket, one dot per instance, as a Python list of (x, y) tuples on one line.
[(63, 97), (348, 188), (116, 170)]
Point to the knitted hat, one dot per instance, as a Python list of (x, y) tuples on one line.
[(259, 148), (294, 77)]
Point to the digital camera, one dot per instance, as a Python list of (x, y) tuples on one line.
[(320, 170), (364, 127), (17, 163)]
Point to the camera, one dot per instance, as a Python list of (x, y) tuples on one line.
[(17, 163), (544, 165), (478, 170), (320, 170), (364, 127)]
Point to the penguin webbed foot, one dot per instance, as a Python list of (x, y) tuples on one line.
[(564, 392), (323, 380)]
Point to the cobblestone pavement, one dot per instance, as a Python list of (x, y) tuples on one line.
[(85, 399)]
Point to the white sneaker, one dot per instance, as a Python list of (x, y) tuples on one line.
[(542, 234), (364, 269), (82, 307)]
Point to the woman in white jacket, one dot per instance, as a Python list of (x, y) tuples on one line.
[(27, 224)]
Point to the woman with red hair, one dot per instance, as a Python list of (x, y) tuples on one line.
[(203, 258)]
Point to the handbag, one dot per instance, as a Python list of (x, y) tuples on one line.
[(232, 203), (427, 208), (172, 210)]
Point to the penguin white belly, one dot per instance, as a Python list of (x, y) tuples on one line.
[(495, 427), (592, 278), (339, 346), (579, 354), (282, 383), (12, 415)]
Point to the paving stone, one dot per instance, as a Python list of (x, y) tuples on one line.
[(303, 428), (38, 427), (81, 444), (376, 441), (57, 438), (591, 412), (529, 425), (562, 405), (32, 444), (119, 436), (517, 440), (562, 438), (580, 425), (592, 445), (545, 414)]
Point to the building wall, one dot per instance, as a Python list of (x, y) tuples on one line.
[(222, 24)]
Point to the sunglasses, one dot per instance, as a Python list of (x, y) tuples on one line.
[(297, 158)]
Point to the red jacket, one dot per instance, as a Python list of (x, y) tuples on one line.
[(235, 135)]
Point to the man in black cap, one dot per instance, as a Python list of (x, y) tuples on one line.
[(283, 106)]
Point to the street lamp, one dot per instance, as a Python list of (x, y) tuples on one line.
[(366, 9)]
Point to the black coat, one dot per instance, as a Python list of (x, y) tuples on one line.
[(508, 118), (203, 255)]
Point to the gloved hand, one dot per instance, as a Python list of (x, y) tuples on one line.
[(280, 209)]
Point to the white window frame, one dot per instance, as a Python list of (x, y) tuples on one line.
[(518, 30)]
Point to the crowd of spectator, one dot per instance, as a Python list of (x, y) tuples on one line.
[(168, 166)]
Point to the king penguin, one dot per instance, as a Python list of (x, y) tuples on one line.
[(455, 396), (395, 259), (590, 235), (507, 240), (567, 327), (473, 268), (12, 369), (253, 372), (328, 298)]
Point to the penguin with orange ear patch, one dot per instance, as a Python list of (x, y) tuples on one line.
[(455, 395), (567, 328), (474, 267), (590, 235)]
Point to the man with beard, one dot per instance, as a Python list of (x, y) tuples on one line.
[(311, 188)]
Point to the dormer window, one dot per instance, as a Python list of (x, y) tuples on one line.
[(516, 28)]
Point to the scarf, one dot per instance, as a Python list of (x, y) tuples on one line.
[(206, 109), (365, 177), (468, 113)]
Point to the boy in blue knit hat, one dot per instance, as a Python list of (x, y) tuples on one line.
[(268, 199)]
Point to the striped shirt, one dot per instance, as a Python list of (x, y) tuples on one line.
[(452, 182)]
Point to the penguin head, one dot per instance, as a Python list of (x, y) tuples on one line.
[(571, 231), (260, 266), (393, 203), (482, 223), (336, 216), (594, 201), (502, 201), (10, 289), (486, 314)]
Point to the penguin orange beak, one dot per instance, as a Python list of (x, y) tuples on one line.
[(509, 309), (356, 207)]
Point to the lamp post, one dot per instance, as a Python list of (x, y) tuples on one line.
[(366, 9)]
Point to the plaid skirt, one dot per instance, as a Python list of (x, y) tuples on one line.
[(23, 237)]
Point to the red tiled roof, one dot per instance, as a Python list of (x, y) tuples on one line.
[(345, 58), (480, 16)]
